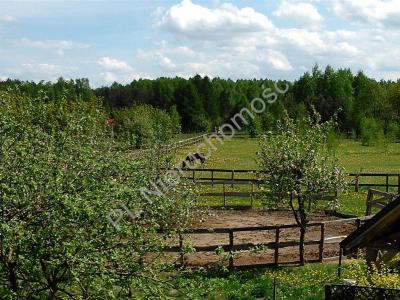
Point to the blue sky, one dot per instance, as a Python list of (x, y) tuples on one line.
[(120, 41)]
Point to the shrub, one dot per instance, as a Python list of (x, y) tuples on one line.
[(371, 131), (141, 125)]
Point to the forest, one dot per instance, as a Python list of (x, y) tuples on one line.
[(366, 108)]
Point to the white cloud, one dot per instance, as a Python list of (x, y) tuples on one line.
[(385, 12), (7, 18), (46, 69), (117, 70), (166, 63), (37, 71), (279, 61), (301, 13), (25, 42), (112, 64), (58, 46), (222, 41), (199, 22)]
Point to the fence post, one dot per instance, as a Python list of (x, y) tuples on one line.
[(321, 243), (233, 176), (223, 186), (212, 177), (358, 224), (182, 258), (369, 200), (398, 184), (230, 249), (276, 254), (357, 183), (340, 263), (252, 194), (387, 183)]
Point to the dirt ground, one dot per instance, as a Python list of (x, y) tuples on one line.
[(254, 218)]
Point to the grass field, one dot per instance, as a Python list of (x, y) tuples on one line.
[(241, 154), (291, 283)]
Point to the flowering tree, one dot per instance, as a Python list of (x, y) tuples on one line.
[(60, 176), (299, 167)]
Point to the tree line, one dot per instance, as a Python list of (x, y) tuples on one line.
[(366, 108)]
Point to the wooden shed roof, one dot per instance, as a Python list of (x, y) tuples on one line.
[(382, 229)]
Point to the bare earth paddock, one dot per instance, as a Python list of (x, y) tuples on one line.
[(241, 231)]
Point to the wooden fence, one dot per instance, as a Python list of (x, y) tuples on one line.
[(253, 178), (385, 198), (275, 245)]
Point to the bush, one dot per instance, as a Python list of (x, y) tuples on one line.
[(371, 132), (392, 132), (141, 125)]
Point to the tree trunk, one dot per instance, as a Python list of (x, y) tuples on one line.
[(301, 219), (12, 277), (301, 244), (303, 225)]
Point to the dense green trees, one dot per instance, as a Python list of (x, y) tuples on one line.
[(62, 179), (203, 103), (141, 125)]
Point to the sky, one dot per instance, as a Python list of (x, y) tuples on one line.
[(109, 41)]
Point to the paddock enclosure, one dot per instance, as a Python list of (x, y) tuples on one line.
[(235, 230), (257, 237)]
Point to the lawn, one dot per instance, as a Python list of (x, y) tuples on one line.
[(291, 283), (241, 154)]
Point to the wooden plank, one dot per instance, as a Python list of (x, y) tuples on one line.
[(387, 183), (398, 184), (230, 249), (244, 229), (379, 205), (181, 253), (380, 193), (368, 204), (321, 244), (357, 184), (373, 174), (244, 246), (252, 194), (224, 195), (231, 194), (276, 254)]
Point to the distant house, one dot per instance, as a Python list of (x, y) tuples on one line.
[(379, 235)]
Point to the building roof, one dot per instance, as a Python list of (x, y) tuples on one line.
[(382, 230)]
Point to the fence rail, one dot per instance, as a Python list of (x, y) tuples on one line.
[(254, 177), (275, 244), (380, 203)]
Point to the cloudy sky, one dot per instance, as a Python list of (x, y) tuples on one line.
[(120, 41)]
